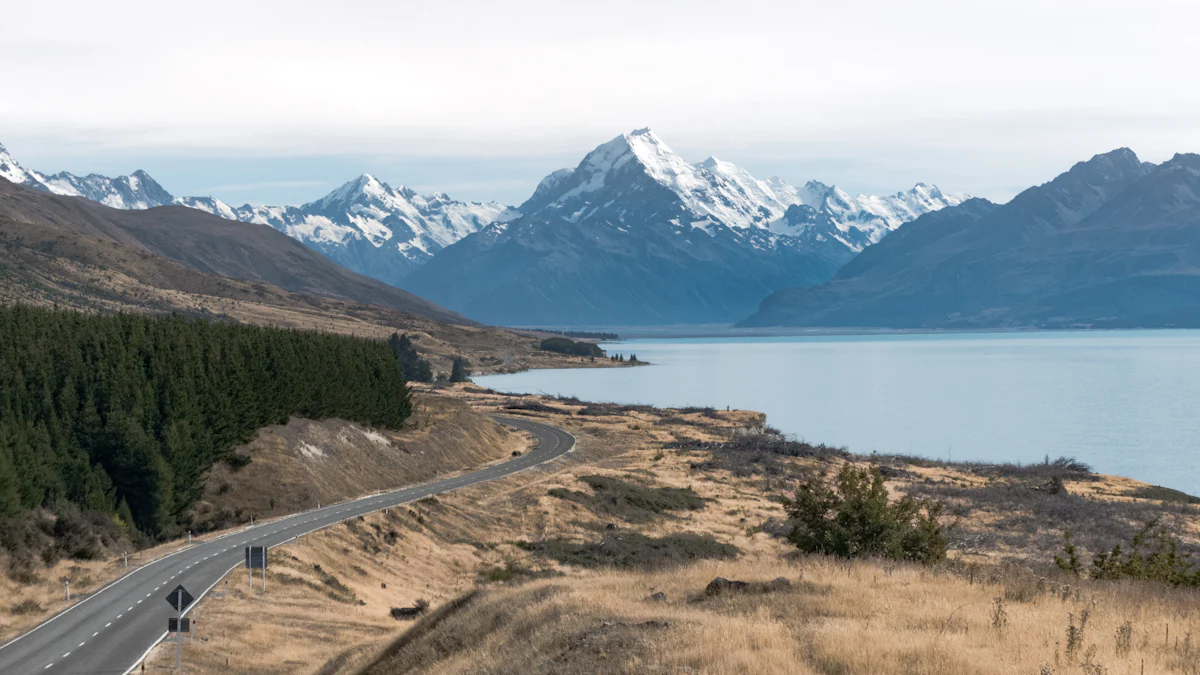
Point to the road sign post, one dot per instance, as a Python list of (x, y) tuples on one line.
[(180, 599), (256, 559), (179, 632)]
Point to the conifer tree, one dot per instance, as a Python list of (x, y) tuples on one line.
[(125, 414), (458, 373)]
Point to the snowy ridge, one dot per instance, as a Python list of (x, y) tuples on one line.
[(369, 211), (365, 224), (135, 191), (719, 193)]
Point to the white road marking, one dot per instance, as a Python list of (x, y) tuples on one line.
[(108, 624), (82, 644), (47, 666), (95, 634), (66, 655)]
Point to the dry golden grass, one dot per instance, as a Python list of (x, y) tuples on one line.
[(837, 617), (296, 466)]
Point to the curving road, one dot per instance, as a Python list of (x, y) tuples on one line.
[(114, 628)]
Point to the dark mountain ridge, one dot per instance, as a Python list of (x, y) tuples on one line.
[(1112, 242)]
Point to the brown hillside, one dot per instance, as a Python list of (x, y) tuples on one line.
[(203, 242)]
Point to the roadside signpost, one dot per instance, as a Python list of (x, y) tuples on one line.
[(256, 559), (180, 599)]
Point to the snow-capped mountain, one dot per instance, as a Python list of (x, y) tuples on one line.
[(366, 225), (135, 191), (636, 234), (720, 192), (1112, 242), (369, 226), (633, 234)]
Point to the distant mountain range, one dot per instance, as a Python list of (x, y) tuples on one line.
[(637, 235), (365, 225), (633, 235), (1112, 242), (73, 251)]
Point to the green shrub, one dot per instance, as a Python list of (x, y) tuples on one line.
[(562, 345), (1153, 555), (1164, 494), (857, 519), (630, 549), (632, 503)]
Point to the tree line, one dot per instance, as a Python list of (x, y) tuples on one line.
[(124, 414), (562, 345)]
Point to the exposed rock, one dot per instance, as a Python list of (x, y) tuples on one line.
[(721, 585)]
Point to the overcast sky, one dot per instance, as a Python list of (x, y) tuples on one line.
[(278, 102)]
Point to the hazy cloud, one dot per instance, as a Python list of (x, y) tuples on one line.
[(872, 95)]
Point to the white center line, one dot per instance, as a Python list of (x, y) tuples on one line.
[(47, 666), (95, 634), (108, 624), (81, 644)]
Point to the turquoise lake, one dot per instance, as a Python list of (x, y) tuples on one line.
[(1125, 402)]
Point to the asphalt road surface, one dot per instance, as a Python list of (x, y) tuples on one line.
[(114, 628)]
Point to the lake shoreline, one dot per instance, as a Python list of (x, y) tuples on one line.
[(1118, 400)]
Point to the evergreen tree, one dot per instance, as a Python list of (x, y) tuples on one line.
[(10, 494), (458, 373), (124, 414), (415, 368)]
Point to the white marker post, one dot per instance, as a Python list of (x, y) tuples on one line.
[(179, 632), (68, 591)]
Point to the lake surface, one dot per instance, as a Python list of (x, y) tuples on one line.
[(1126, 402)]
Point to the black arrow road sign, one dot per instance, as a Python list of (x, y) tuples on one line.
[(174, 598)]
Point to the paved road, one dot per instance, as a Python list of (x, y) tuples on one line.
[(110, 631)]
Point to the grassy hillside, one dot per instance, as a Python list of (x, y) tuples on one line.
[(201, 242)]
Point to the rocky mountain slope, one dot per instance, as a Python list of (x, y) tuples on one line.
[(637, 235), (1112, 242)]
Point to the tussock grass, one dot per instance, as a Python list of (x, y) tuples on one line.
[(837, 617), (632, 549), (628, 501)]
